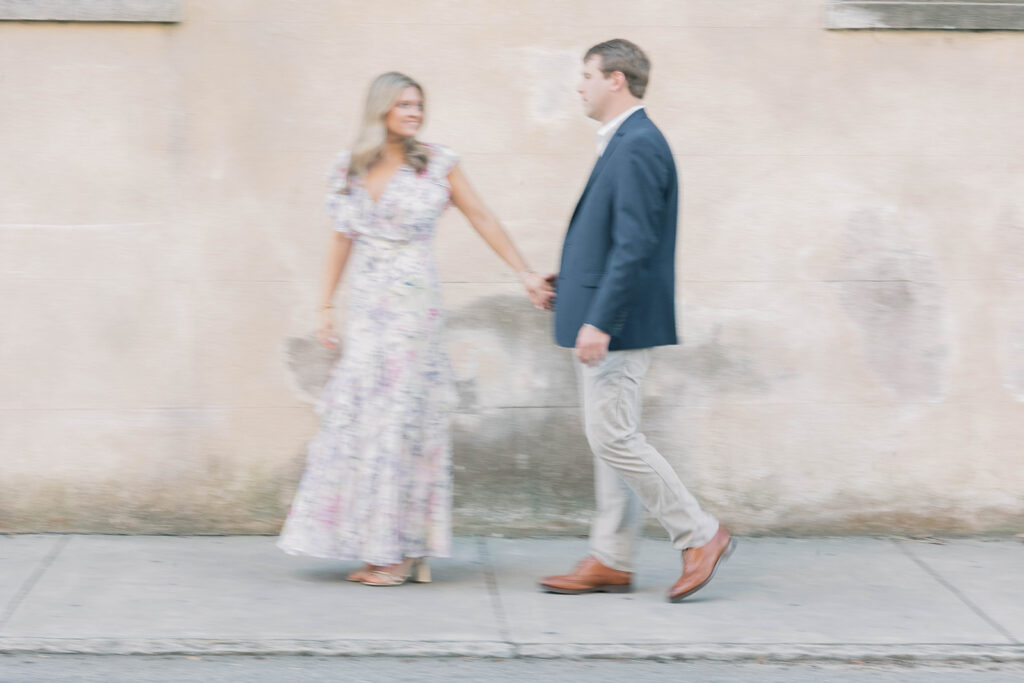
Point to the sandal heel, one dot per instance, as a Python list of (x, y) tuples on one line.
[(421, 572)]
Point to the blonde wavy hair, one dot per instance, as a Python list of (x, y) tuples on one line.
[(369, 145)]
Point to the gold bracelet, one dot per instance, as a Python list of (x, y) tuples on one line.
[(326, 307)]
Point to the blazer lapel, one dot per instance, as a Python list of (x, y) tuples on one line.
[(602, 160)]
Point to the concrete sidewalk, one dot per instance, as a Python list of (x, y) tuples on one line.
[(825, 599)]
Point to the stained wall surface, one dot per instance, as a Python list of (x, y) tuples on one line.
[(850, 260)]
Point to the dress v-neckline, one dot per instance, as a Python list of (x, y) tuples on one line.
[(384, 189)]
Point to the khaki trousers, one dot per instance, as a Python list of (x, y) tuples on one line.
[(629, 473)]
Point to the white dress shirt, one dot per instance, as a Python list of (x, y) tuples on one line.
[(605, 132)]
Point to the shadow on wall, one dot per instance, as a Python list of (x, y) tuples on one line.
[(888, 284), (521, 460), (504, 355)]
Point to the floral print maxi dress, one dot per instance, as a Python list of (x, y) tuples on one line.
[(377, 485)]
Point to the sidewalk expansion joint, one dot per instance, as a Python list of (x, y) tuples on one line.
[(491, 579), (32, 580), (958, 593)]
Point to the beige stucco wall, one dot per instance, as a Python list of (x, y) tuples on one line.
[(850, 259)]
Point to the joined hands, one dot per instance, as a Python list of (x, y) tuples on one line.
[(540, 289)]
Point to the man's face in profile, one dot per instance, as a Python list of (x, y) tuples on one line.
[(594, 88)]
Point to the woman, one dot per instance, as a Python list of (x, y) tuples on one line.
[(377, 485)]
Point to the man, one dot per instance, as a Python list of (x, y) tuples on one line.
[(615, 300)]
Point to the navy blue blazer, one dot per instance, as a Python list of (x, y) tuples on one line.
[(618, 259)]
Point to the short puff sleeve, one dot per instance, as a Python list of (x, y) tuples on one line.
[(338, 201), (442, 160)]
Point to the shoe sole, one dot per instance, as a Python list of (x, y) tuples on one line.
[(597, 589), (721, 560)]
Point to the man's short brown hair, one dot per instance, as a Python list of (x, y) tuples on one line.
[(622, 55)]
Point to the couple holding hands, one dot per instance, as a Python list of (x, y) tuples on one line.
[(378, 481)]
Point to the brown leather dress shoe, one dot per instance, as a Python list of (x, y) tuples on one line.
[(700, 564), (589, 576)]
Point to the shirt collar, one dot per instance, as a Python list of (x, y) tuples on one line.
[(605, 132)]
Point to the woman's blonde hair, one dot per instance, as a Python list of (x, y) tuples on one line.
[(369, 145)]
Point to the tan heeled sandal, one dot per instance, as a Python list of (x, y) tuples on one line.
[(418, 572), (360, 575)]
